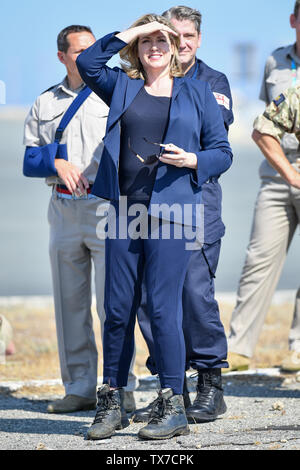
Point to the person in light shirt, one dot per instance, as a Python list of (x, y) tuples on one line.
[(72, 215)]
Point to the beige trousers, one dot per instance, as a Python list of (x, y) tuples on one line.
[(276, 216), (73, 248)]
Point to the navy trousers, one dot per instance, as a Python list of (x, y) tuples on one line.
[(164, 262), (205, 339)]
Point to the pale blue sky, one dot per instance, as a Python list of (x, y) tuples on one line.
[(29, 29)]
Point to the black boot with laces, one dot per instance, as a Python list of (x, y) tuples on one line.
[(109, 416), (209, 402), (167, 418), (143, 414)]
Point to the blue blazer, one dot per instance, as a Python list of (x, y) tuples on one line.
[(195, 124)]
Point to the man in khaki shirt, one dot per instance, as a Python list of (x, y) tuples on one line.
[(73, 219), (280, 117), (276, 216)]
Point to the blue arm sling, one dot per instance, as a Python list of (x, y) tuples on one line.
[(39, 161)]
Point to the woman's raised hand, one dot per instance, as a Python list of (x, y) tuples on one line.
[(149, 28)]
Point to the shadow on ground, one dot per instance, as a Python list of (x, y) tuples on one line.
[(260, 387)]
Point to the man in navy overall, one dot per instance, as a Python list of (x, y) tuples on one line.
[(203, 330)]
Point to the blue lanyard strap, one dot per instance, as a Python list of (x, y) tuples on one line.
[(294, 70), (73, 108)]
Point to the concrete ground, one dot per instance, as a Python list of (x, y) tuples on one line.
[(263, 414)]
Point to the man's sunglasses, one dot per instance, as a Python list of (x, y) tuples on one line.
[(152, 158)]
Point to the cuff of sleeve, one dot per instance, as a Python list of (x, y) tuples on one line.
[(111, 42), (211, 163), (266, 126), (202, 174)]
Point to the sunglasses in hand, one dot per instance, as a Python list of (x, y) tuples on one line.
[(151, 158)]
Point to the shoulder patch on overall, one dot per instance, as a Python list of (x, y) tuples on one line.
[(280, 99)]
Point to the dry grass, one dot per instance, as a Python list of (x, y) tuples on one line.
[(37, 358), (36, 355)]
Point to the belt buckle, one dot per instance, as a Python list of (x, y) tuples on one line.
[(83, 195)]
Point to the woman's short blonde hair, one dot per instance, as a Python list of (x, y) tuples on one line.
[(130, 61)]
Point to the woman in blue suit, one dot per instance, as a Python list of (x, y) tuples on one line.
[(165, 137)]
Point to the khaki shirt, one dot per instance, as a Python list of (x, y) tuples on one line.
[(282, 116), (83, 135), (278, 77), (278, 74)]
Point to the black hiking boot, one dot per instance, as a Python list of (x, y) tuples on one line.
[(209, 402), (167, 418), (143, 415), (109, 416)]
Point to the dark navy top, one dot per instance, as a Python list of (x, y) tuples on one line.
[(146, 117)]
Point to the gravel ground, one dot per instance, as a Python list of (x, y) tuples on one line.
[(263, 414)]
